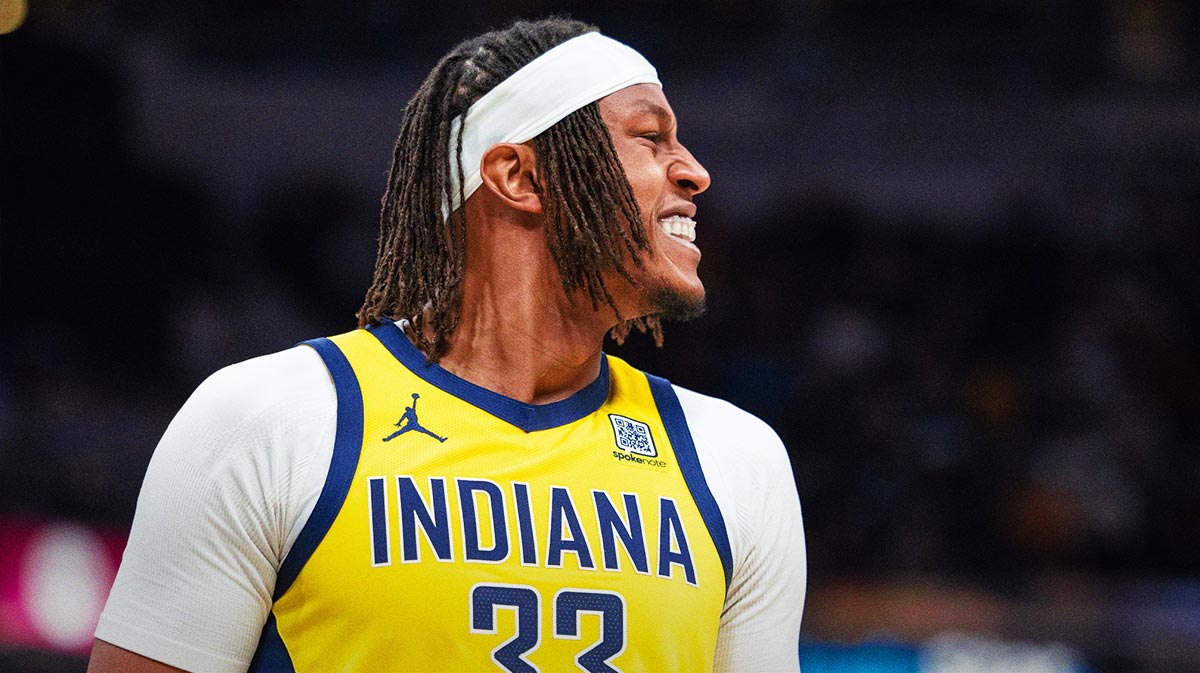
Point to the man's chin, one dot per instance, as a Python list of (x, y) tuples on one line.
[(676, 306)]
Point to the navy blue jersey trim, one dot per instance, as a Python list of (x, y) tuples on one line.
[(347, 445), (272, 655), (528, 417), (689, 464)]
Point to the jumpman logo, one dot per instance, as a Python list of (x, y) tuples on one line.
[(409, 422)]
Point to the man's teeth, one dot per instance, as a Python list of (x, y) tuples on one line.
[(680, 226)]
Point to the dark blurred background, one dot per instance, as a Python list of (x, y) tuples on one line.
[(951, 252)]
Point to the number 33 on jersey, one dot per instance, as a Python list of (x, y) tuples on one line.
[(459, 530)]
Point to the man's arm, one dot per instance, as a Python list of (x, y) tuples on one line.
[(225, 494), (750, 476), (760, 627), (108, 658)]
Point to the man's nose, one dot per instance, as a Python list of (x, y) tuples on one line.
[(689, 174)]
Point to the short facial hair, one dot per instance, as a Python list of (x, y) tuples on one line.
[(671, 305)]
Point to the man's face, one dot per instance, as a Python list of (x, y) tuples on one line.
[(664, 177)]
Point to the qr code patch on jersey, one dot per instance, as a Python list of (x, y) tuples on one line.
[(633, 436)]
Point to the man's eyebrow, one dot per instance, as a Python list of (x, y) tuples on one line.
[(646, 106)]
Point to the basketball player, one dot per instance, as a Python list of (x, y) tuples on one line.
[(546, 507)]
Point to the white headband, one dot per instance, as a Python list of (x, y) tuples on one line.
[(547, 89)]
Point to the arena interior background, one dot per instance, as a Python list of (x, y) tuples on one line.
[(951, 255)]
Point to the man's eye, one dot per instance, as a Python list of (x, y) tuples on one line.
[(651, 136)]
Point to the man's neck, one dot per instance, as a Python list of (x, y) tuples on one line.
[(533, 356), (518, 335), (521, 358)]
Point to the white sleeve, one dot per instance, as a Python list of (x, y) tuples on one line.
[(750, 476), (227, 491)]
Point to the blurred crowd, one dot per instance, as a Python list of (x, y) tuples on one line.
[(979, 402)]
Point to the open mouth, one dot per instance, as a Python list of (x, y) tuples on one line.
[(679, 226)]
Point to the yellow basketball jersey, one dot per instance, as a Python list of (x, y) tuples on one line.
[(460, 530)]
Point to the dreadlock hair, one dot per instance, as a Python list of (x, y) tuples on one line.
[(592, 220)]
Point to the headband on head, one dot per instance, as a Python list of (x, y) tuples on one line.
[(573, 74)]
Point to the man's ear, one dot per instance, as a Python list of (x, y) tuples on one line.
[(510, 172)]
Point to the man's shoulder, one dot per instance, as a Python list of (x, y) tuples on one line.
[(279, 369), (264, 386), (727, 426), (253, 415), (745, 464)]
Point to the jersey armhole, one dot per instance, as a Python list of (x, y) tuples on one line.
[(347, 446), (680, 436)]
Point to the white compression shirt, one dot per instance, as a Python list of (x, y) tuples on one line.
[(239, 469)]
